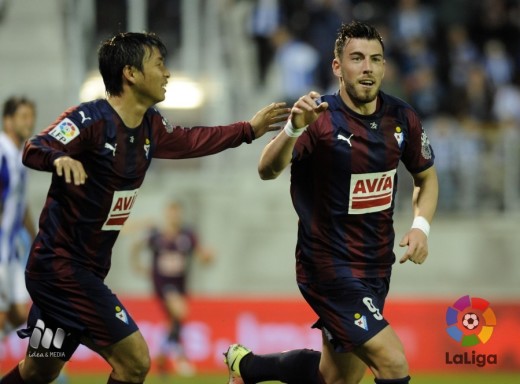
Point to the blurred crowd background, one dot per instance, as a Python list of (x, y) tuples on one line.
[(456, 61)]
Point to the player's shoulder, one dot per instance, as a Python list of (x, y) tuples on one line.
[(157, 119), (88, 113), (395, 102)]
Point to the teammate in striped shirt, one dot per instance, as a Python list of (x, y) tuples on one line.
[(98, 153), (344, 150), (16, 227)]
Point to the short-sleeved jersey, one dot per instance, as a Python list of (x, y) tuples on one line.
[(80, 224), (343, 186), (13, 197), (171, 254)]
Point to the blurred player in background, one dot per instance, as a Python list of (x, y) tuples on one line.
[(344, 150), (17, 229), (173, 247), (98, 153)]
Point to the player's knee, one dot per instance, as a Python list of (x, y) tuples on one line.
[(134, 368), (39, 374), (394, 365)]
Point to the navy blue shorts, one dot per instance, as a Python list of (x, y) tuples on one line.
[(73, 310), (350, 310)]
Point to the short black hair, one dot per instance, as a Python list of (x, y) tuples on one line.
[(355, 30), (126, 48), (12, 104)]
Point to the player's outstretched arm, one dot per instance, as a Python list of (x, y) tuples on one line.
[(277, 154), (266, 119)]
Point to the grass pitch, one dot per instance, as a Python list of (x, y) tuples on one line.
[(475, 378)]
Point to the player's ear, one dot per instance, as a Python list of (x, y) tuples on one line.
[(129, 73), (336, 68)]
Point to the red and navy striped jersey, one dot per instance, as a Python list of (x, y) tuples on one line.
[(79, 225), (343, 186), (172, 254)]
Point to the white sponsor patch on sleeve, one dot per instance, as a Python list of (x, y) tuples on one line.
[(65, 131), (371, 192), (122, 204)]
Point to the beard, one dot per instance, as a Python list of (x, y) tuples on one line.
[(362, 96)]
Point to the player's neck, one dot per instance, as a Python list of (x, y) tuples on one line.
[(360, 108), (128, 109), (17, 141)]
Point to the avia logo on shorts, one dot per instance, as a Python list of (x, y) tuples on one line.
[(122, 204), (46, 337), (470, 321), (371, 192)]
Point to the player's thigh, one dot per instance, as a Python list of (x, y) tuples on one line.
[(128, 354), (175, 304), (39, 367), (340, 367), (384, 354)]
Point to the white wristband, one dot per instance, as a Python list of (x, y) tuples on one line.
[(291, 131), (421, 223)]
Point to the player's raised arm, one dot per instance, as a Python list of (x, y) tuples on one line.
[(277, 154)]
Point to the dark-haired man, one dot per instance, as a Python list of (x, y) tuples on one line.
[(16, 225), (98, 153), (344, 150)]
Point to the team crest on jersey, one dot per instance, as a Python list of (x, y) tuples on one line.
[(65, 131), (167, 125), (122, 204), (371, 192), (426, 150), (147, 147), (399, 136)]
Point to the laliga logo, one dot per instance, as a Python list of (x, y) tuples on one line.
[(470, 322)]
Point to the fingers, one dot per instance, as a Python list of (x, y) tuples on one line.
[(322, 107), (307, 102), (417, 250), (72, 170), (276, 113), (416, 256)]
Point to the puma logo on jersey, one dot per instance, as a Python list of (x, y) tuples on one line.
[(347, 139), (371, 192), (111, 147), (83, 117)]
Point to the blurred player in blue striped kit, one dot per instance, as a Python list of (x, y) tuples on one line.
[(98, 154), (17, 229), (344, 150)]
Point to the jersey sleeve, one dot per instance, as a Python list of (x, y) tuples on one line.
[(63, 137), (176, 142), (306, 143), (418, 154)]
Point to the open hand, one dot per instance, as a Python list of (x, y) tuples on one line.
[(266, 119)]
